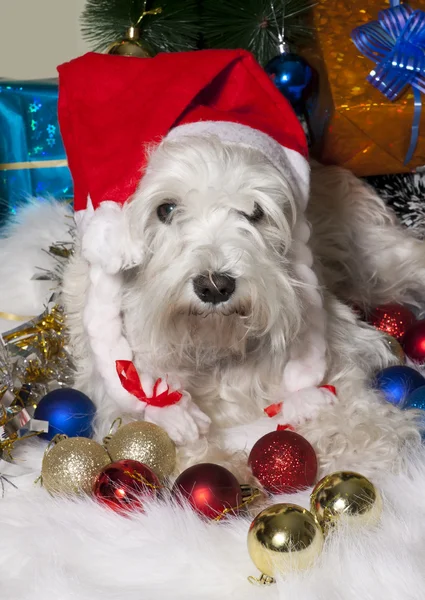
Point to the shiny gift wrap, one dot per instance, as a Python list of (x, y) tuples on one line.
[(32, 156), (354, 125)]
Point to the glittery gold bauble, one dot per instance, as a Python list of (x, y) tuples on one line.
[(145, 442), (396, 348), (72, 464), (345, 496), (130, 45), (282, 539)]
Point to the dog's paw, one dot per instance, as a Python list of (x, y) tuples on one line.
[(184, 422), (304, 405)]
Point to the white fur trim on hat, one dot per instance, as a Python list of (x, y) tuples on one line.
[(106, 238), (289, 162), (103, 236)]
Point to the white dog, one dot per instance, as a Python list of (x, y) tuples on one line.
[(215, 306), (196, 262)]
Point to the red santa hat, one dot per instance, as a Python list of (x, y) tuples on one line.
[(110, 108)]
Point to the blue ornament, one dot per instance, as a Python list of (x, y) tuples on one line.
[(398, 382), (292, 76), (416, 399), (68, 411)]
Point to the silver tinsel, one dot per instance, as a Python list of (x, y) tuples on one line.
[(405, 194)]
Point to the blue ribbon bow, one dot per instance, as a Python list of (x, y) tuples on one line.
[(396, 43)]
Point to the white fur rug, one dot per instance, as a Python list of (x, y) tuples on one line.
[(69, 550), (57, 548)]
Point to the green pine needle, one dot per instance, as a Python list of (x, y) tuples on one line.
[(176, 28), (255, 25)]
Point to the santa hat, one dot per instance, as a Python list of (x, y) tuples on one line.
[(110, 108)]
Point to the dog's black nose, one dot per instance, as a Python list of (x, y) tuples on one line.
[(214, 288)]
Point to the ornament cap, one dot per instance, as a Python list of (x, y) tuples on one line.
[(262, 580), (284, 47), (133, 33), (130, 45)]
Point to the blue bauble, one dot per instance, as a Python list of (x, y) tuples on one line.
[(292, 75), (68, 411), (398, 382), (416, 399)]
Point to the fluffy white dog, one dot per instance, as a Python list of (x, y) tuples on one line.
[(214, 303), (196, 262)]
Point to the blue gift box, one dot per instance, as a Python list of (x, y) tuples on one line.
[(32, 156)]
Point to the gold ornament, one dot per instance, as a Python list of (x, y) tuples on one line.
[(71, 465), (282, 539), (145, 442), (345, 495), (395, 348), (130, 45)]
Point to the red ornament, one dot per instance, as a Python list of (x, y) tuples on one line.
[(413, 342), (123, 485), (393, 319), (283, 462), (210, 489)]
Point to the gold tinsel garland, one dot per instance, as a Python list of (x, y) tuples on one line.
[(33, 361)]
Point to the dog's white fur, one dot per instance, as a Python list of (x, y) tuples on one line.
[(230, 359)]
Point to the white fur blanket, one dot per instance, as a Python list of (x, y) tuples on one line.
[(69, 550), (56, 548)]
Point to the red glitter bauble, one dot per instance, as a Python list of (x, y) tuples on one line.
[(283, 462), (393, 319), (413, 342), (125, 484), (210, 489)]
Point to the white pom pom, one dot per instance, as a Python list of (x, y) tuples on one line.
[(106, 239)]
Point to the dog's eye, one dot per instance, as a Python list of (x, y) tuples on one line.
[(255, 216), (165, 211)]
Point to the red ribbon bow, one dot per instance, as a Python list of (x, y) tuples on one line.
[(130, 381)]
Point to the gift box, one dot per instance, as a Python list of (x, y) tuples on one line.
[(32, 156), (353, 124)]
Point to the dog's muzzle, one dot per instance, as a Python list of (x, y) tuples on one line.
[(214, 288)]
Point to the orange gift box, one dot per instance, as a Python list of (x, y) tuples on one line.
[(353, 124)]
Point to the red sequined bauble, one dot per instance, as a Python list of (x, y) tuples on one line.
[(283, 462), (393, 319), (125, 484), (210, 489), (413, 342)]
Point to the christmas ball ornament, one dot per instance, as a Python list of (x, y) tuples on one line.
[(71, 465), (416, 399), (282, 539), (130, 45), (125, 484), (283, 462), (393, 319), (397, 382), (414, 342), (68, 412), (210, 489), (145, 442), (348, 496), (395, 348), (293, 76)]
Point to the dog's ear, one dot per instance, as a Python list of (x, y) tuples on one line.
[(107, 239)]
